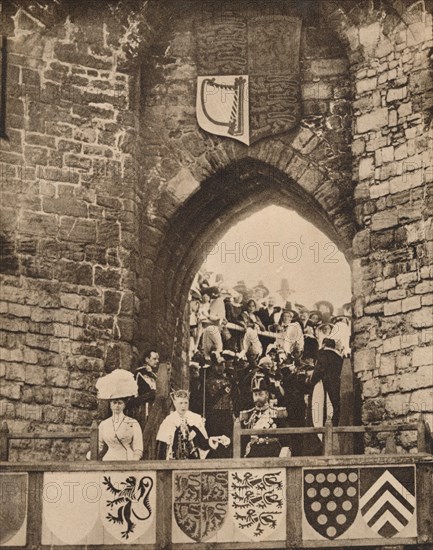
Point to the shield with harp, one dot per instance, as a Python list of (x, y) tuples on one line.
[(222, 106), (248, 88)]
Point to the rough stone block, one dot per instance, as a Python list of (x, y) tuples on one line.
[(387, 365), (392, 344), (317, 91), (328, 67), (392, 308), (11, 390), (35, 155), (404, 110), (422, 317), (75, 273), (423, 356), (384, 219), (361, 243), (76, 161), (366, 168), (409, 304), (43, 225), (65, 206), (409, 340), (77, 230), (366, 85), (397, 294), (371, 388), (421, 378), (57, 377), (364, 359), (375, 120), (380, 190), (108, 233), (34, 375), (396, 94), (107, 277)]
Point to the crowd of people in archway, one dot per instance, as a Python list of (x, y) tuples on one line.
[(243, 338), (251, 359), (248, 321)]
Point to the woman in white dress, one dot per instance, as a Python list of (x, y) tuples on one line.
[(121, 434)]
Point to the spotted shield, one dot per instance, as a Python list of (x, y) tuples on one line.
[(331, 500)]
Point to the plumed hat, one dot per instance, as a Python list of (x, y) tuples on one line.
[(118, 384), (259, 383)]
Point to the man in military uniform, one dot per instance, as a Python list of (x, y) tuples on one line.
[(263, 416), (220, 406), (146, 380)]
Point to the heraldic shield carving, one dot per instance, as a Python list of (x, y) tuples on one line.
[(387, 500), (248, 67), (331, 500), (359, 503), (200, 502)]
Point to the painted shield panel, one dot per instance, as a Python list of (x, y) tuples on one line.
[(72, 497), (264, 53), (331, 499), (200, 502), (388, 500), (13, 509), (258, 504), (127, 504), (222, 106)]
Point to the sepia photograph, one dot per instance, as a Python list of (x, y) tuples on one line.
[(216, 274)]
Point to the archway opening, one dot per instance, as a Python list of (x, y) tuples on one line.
[(282, 262), (200, 218)]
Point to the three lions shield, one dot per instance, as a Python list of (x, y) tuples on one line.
[(248, 67)]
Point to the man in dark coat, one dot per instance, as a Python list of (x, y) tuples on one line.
[(328, 370), (267, 314), (220, 396), (145, 376)]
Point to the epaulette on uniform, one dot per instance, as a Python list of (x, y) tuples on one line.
[(278, 412), (244, 415)]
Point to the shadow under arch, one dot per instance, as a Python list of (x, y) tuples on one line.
[(223, 199)]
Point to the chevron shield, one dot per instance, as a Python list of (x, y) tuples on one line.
[(388, 500)]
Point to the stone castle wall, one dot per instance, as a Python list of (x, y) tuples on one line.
[(111, 193)]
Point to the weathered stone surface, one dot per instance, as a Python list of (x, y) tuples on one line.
[(372, 121)]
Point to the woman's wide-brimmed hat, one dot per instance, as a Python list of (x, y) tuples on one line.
[(118, 384)]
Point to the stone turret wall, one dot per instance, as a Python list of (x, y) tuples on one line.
[(111, 193), (69, 216), (393, 168)]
